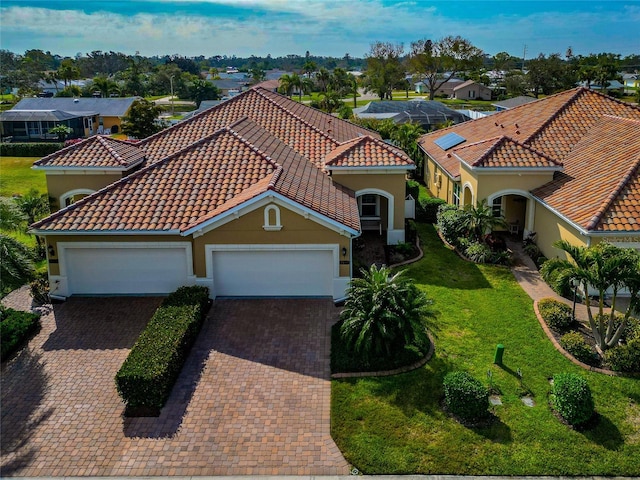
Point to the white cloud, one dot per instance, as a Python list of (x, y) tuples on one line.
[(330, 27)]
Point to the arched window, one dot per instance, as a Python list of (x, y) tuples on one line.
[(272, 218), (73, 196)]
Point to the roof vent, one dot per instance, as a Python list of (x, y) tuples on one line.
[(76, 100)]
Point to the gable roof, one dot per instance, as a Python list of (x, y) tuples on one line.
[(218, 160), (468, 83), (95, 152), (585, 132), (367, 152), (106, 107), (514, 102)]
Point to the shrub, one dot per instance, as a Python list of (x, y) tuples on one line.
[(501, 258), (15, 329), (465, 396), (28, 149), (39, 288), (533, 251), (451, 223), (411, 231), (147, 376), (413, 189), (428, 209), (625, 357), (557, 315), (478, 252), (574, 343), (571, 398)]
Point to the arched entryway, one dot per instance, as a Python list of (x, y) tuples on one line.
[(467, 195), (376, 208), (517, 209)]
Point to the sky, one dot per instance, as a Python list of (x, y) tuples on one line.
[(322, 27)]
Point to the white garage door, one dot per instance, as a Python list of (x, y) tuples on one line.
[(273, 273), (125, 270)]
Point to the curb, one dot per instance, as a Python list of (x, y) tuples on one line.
[(387, 373)]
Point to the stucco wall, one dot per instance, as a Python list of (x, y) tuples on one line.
[(395, 184), (58, 185), (550, 228), (247, 229)]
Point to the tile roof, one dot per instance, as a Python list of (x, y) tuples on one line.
[(600, 195), (503, 152), (221, 157), (204, 180), (95, 152), (367, 152), (557, 129)]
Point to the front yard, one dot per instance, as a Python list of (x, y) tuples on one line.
[(396, 424)]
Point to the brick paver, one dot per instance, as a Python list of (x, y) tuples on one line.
[(254, 397)]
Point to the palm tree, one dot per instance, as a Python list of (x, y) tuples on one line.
[(384, 313), (287, 83), (16, 267), (35, 205), (68, 71), (480, 220), (605, 268), (323, 77), (330, 101), (406, 137)]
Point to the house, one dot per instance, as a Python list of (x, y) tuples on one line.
[(471, 90), (565, 167), (428, 113), (631, 82), (31, 119), (510, 103), (612, 86), (257, 196)]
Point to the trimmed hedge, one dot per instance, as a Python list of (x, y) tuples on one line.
[(148, 374), (427, 210), (15, 329), (28, 149), (465, 396), (571, 398), (557, 315)]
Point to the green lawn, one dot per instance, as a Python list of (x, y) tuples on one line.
[(17, 176), (396, 424)]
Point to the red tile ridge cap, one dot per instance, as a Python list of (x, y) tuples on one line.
[(231, 130), (105, 141), (354, 142), (275, 177), (501, 140), (260, 91), (85, 141)]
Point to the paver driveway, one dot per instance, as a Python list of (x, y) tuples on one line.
[(252, 399)]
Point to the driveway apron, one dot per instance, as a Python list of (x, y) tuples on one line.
[(252, 399)]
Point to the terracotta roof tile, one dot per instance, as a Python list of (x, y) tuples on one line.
[(95, 152), (503, 152), (600, 186), (367, 151)]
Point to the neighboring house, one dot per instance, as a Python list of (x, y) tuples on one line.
[(428, 113), (631, 82), (612, 85), (510, 103), (32, 118), (230, 87), (445, 90), (257, 196), (471, 90), (271, 85), (565, 167)]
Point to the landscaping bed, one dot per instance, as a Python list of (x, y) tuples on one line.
[(396, 424)]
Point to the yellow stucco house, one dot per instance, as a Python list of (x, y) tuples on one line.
[(257, 196), (565, 167)]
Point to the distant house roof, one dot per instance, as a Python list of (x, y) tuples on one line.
[(612, 85), (269, 85), (36, 116), (468, 83), (513, 102), (425, 112), (106, 107), (229, 84), (590, 141)]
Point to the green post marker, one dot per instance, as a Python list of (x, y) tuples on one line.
[(497, 359)]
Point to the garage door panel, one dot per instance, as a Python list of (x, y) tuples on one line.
[(273, 273), (125, 270)]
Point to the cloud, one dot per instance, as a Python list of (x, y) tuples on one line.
[(324, 27)]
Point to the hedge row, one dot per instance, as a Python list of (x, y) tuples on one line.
[(427, 209), (28, 149), (148, 374), (15, 329)]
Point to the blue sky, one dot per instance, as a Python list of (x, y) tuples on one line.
[(324, 27)]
